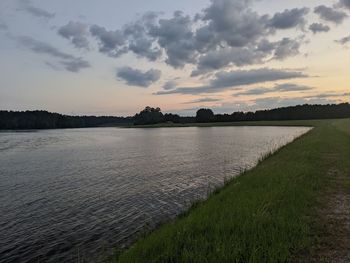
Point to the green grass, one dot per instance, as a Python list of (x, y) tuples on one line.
[(265, 215)]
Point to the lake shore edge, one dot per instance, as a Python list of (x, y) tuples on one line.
[(222, 229)]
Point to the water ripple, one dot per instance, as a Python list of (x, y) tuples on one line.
[(81, 193)]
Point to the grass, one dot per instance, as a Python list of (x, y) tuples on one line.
[(223, 124), (269, 214)]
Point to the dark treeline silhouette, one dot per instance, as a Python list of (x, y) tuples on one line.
[(149, 116), (205, 115), (300, 112), (17, 120), (46, 120)]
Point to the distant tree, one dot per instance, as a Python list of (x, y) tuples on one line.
[(174, 118), (149, 116), (205, 115)]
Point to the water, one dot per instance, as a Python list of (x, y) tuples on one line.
[(75, 193)]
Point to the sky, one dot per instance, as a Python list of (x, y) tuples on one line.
[(114, 57)]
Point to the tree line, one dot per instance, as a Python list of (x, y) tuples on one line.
[(16, 120), (301, 112)]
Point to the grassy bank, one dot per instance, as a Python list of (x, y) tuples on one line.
[(224, 124), (269, 214)]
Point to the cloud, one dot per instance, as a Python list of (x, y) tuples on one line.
[(343, 41), (227, 80), (169, 85), (111, 43), (52, 65), (75, 65), (289, 18), (142, 47), (291, 87), (133, 37), (202, 100), (345, 3), (76, 32), (248, 77), (244, 56), (330, 14), (27, 6), (135, 77), (229, 34), (231, 22), (175, 36), (139, 40), (41, 47), (318, 28), (330, 95), (3, 26), (286, 48), (287, 87), (226, 33), (281, 49), (70, 63), (221, 58), (255, 91)]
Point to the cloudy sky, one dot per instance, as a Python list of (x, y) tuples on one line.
[(113, 57)]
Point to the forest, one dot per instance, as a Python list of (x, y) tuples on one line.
[(301, 112), (17, 120)]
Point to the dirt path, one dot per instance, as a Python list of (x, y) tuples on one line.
[(334, 222), (332, 219)]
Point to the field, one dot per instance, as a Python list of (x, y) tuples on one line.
[(293, 207)]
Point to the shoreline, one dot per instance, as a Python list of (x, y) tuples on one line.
[(272, 123), (202, 230)]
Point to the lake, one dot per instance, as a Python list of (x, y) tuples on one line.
[(80, 193)]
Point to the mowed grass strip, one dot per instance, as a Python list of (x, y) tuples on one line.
[(261, 216), (330, 227)]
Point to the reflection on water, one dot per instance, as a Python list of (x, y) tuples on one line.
[(84, 191)]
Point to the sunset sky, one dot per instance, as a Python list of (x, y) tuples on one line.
[(114, 57)]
